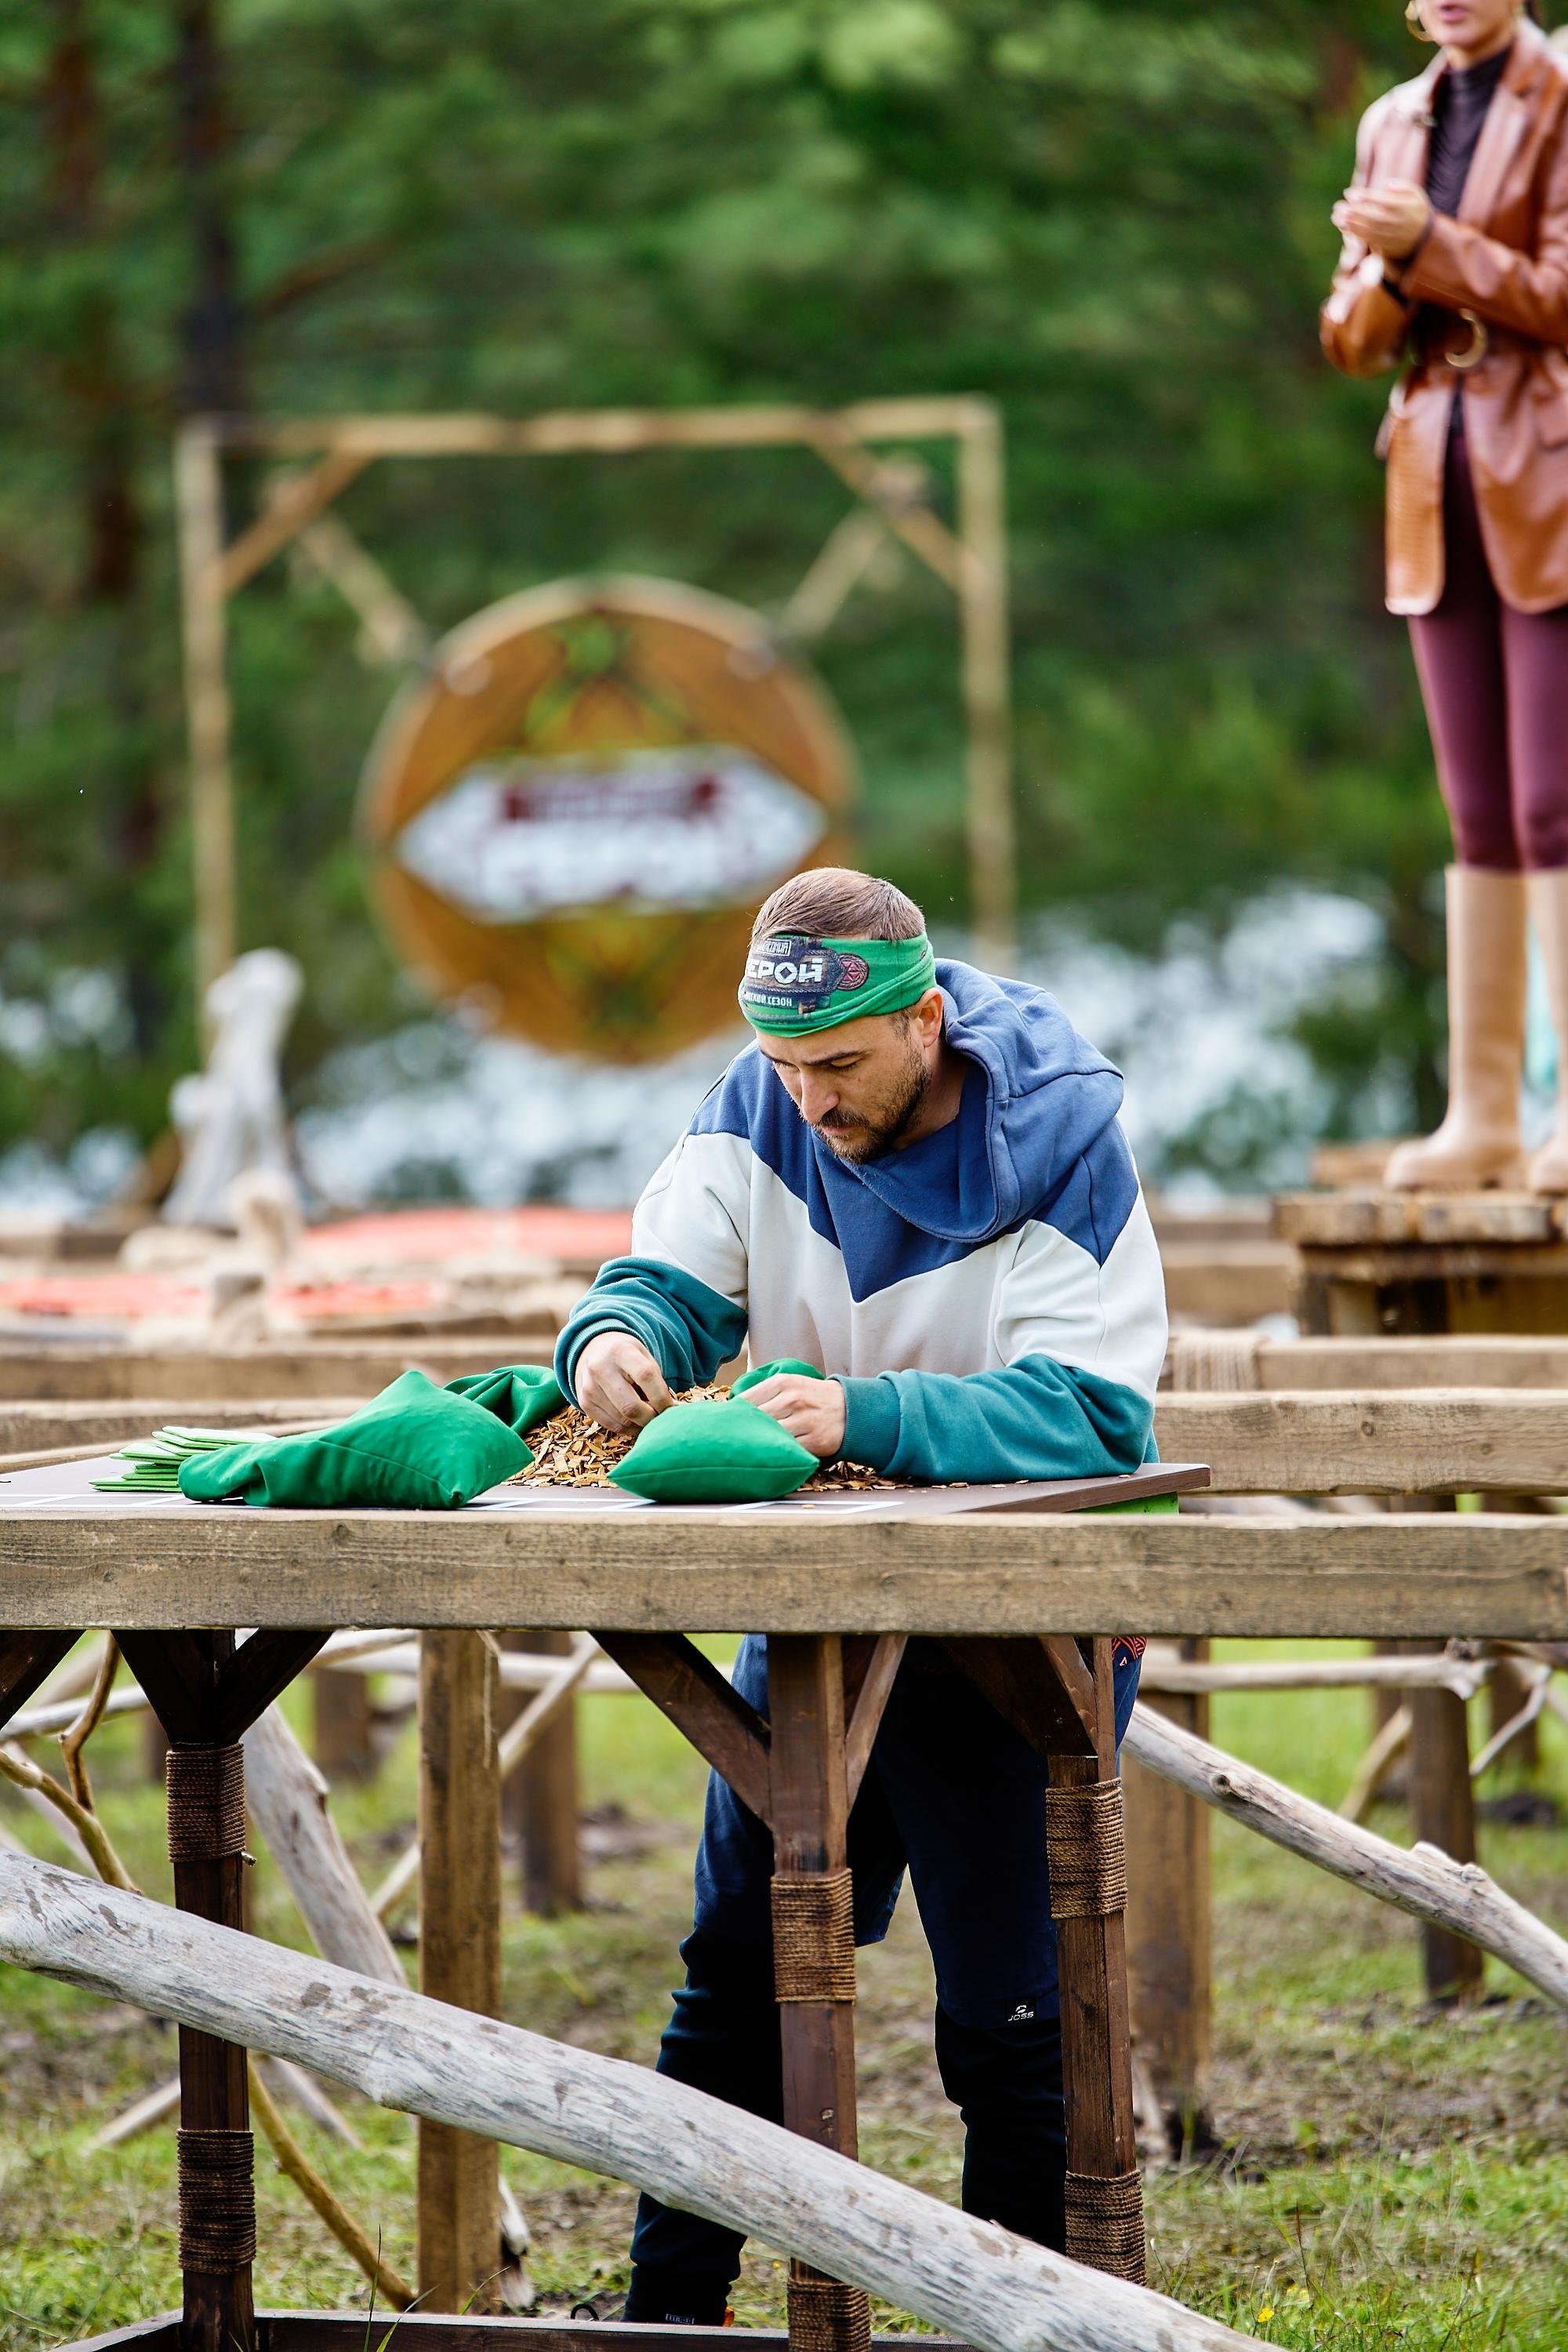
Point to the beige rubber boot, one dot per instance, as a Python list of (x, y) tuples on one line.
[(1478, 1142), (1548, 896)]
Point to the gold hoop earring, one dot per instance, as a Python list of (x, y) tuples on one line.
[(1416, 21)]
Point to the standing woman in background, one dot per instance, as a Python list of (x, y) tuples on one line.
[(1455, 263)]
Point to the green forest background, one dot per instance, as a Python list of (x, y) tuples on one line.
[(1113, 219)]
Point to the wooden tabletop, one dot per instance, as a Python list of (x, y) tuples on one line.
[(844, 1567)]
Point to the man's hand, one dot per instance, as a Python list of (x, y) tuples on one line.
[(812, 1411), (1392, 219), (619, 1383)]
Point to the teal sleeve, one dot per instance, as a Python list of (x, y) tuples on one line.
[(686, 1329), (1034, 1419)]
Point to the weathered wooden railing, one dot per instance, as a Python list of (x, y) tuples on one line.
[(474, 2075)]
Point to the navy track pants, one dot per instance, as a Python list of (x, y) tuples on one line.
[(955, 1796)]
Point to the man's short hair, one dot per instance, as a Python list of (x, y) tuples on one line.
[(834, 902)]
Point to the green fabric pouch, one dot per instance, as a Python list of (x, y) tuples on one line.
[(519, 1394), (759, 1372), (714, 1451), (416, 1447)]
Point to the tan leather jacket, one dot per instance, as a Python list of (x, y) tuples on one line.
[(1500, 275)]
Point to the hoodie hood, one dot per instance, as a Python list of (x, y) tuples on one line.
[(1036, 1097)]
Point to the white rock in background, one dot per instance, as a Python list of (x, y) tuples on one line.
[(231, 1119)]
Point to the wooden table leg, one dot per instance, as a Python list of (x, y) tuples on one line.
[(539, 1802), (1089, 1894), (1508, 1691), (216, 2158), (459, 1953), (342, 1723), (1387, 1699), (813, 1946), (1443, 1814), (207, 1692), (1065, 1705), (1506, 1694), (1169, 1928)]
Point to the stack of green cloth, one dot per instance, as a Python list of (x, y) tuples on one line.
[(414, 1447), (153, 1463)]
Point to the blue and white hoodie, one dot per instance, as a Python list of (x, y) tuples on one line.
[(991, 1296)]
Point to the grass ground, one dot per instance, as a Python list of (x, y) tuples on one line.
[(1394, 2177)]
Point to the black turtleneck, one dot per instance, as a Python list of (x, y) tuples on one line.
[(1459, 105)]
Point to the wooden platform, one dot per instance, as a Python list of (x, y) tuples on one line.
[(783, 1568), (1369, 1261)]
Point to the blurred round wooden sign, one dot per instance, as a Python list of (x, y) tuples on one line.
[(573, 817)]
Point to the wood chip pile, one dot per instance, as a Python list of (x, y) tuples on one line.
[(570, 1450)]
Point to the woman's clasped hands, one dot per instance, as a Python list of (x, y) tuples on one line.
[(1390, 220)]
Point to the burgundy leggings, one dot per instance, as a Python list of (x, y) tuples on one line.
[(1495, 683)]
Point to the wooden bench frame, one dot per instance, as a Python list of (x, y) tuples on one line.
[(798, 1770)]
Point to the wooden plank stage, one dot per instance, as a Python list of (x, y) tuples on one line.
[(1370, 1217), (1369, 1261)]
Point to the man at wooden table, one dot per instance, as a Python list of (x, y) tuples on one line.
[(914, 1178)]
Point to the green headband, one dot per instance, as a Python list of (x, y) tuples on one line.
[(794, 984)]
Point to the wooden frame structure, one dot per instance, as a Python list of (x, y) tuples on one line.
[(987, 1581), (972, 560), (798, 1770), (1017, 1590), (1394, 1416)]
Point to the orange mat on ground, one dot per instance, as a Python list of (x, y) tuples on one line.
[(398, 1235), (114, 1296), (395, 1239)]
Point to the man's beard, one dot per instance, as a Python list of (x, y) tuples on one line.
[(884, 1125)]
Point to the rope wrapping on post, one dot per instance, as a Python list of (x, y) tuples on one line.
[(1085, 1851), (814, 1935), (218, 2200), (206, 1803), (826, 2317), (1105, 2224)]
